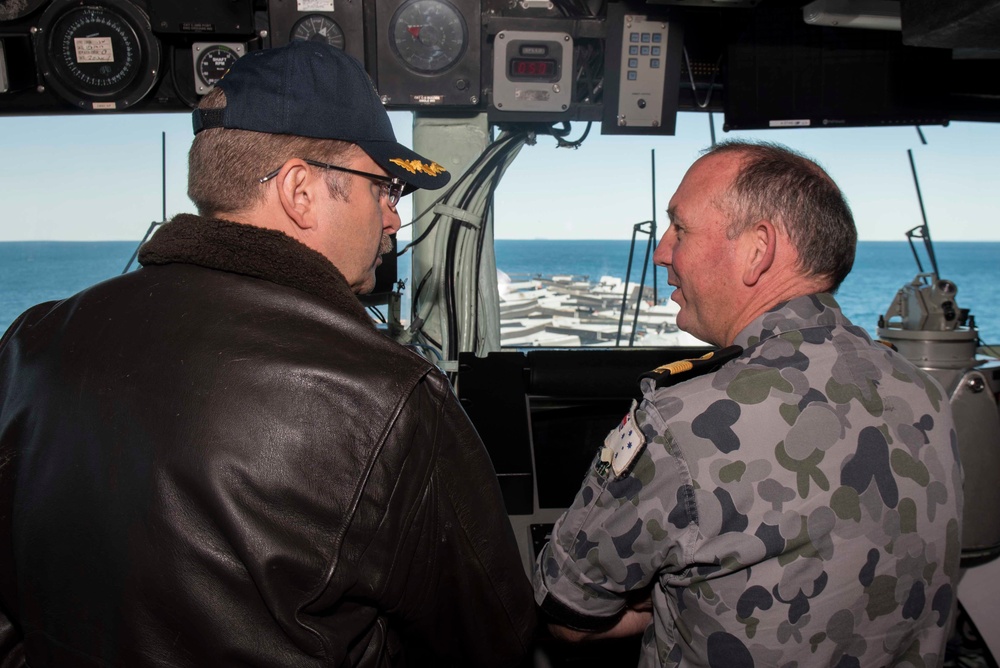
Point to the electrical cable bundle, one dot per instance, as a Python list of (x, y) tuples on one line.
[(458, 250), (461, 217), (462, 276)]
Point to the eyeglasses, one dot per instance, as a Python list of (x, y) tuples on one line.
[(389, 187)]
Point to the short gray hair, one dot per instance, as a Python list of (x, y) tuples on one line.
[(778, 184)]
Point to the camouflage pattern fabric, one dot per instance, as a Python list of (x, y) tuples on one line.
[(799, 507)]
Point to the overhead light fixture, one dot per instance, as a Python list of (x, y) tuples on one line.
[(869, 14)]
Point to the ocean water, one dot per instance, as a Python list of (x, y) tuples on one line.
[(881, 268), (33, 272), (37, 271)]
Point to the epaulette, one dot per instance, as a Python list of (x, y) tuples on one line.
[(681, 370)]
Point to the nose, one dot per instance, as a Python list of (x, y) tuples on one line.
[(663, 255), (391, 222)]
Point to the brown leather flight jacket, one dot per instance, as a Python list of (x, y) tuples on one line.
[(217, 460)]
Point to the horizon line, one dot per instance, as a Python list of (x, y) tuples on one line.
[(860, 240)]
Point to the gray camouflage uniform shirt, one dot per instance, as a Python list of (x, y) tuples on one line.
[(798, 507)]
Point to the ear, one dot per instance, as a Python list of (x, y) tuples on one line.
[(296, 188), (761, 246)]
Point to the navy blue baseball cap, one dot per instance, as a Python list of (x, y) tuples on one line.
[(312, 89)]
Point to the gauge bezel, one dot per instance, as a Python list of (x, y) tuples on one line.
[(393, 44), (30, 7), (324, 18), (48, 52), (199, 50)]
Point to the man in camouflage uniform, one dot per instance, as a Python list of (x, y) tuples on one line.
[(797, 505)]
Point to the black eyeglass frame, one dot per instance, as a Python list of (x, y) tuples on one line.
[(392, 186)]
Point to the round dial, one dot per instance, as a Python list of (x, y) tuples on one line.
[(429, 36), (317, 28), (214, 62), (95, 50), (98, 54)]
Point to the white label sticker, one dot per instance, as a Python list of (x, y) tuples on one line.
[(93, 50), (792, 123), (427, 99), (314, 5)]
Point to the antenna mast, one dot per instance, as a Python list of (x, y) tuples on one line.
[(921, 231)]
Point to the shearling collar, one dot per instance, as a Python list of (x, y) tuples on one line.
[(251, 251)]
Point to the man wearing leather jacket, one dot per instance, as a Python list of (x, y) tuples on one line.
[(218, 459)]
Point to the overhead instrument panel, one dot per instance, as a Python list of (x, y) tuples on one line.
[(339, 23), (212, 60), (428, 53), (532, 71), (98, 54)]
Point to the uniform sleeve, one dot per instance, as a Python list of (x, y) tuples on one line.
[(621, 531), (468, 599)]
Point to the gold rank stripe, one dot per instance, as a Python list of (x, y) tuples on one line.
[(414, 166), (681, 366)]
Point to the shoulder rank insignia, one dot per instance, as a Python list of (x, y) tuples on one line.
[(622, 446), (681, 370)]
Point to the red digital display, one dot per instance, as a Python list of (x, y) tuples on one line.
[(531, 68)]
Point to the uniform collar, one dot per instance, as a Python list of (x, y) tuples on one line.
[(816, 310)]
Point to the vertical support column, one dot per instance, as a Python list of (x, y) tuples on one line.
[(455, 143)]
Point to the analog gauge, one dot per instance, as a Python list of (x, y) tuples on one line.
[(429, 36), (317, 28), (213, 62), (102, 54), (15, 9), (95, 49)]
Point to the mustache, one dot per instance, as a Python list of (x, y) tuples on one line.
[(386, 245)]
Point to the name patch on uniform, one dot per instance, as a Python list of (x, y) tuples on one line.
[(622, 446)]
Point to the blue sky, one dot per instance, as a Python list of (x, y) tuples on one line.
[(91, 178)]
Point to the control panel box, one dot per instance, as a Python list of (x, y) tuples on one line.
[(532, 71), (642, 72)]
